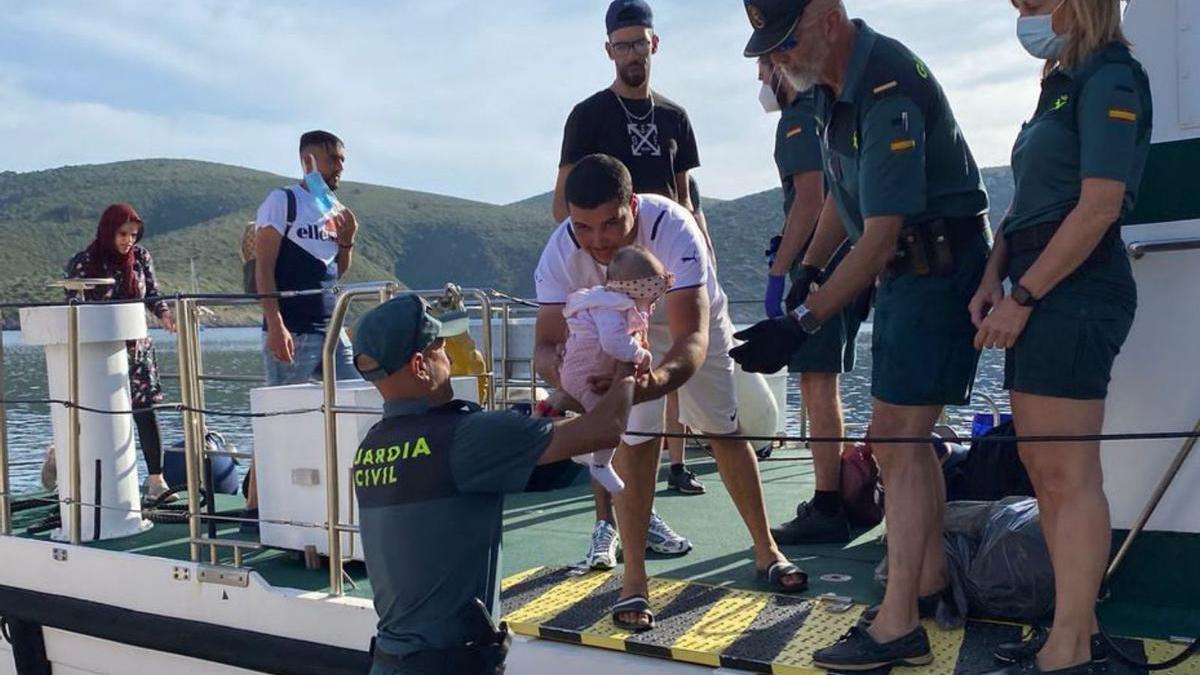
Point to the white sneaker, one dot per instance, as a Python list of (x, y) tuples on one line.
[(605, 543), (661, 539)]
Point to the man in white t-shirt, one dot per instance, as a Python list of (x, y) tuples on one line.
[(300, 247), (691, 355)]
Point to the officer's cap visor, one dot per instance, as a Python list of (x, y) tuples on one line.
[(391, 334), (779, 19)]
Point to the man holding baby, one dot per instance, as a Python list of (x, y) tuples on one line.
[(690, 355)]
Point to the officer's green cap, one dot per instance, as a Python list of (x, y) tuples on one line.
[(388, 336), (773, 21)]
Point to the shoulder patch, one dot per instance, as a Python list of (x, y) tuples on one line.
[(1122, 115), (922, 69), (903, 145), (794, 132)]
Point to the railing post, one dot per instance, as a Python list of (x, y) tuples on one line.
[(75, 514), (186, 394), (485, 305), (5, 501), (504, 317)]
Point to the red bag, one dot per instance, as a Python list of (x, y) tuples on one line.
[(862, 490)]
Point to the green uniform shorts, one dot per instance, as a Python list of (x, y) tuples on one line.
[(832, 349), (1074, 334), (923, 343)]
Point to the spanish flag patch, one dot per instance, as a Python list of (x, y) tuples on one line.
[(903, 145), (1122, 114), (795, 132)]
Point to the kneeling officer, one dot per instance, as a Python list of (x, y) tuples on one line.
[(430, 479)]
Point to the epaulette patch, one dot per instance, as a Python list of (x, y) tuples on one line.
[(903, 145), (1122, 114), (885, 87), (794, 132)]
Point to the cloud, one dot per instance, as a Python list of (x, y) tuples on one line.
[(461, 97)]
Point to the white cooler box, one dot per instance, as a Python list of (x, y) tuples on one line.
[(289, 456)]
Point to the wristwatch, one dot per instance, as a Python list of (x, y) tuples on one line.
[(807, 321), (1023, 297)]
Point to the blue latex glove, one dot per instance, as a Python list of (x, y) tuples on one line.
[(773, 249), (773, 301)]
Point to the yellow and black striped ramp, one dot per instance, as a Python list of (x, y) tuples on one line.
[(736, 629)]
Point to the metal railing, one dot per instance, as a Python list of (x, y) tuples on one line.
[(331, 409)]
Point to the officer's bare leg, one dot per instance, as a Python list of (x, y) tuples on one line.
[(739, 472), (824, 404), (933, 565), (638, 466), (910, 510), (1069, 482)]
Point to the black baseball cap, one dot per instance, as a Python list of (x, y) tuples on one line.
[(388, 336), (626, 13), (773, 22)]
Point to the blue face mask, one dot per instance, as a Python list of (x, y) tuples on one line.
[(1037, 35), (320, 191)]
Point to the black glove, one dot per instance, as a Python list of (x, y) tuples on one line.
[(769, 345), (806, 276)]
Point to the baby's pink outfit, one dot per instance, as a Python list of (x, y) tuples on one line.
[(604, 328)]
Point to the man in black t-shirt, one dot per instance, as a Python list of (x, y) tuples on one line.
[(649, 133)]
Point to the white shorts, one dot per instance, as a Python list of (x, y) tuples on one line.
[(707, 401)]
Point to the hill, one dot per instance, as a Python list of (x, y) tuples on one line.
[(197, 211)]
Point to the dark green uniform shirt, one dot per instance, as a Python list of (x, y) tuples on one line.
[(891, 144), (1092, 121), (797, 145), (430, 485)]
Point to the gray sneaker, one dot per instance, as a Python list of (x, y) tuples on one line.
[(602, 555), (810, 526), (661, 539)]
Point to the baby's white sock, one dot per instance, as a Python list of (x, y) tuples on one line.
[(601, 469)]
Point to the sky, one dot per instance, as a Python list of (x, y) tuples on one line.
[(458, 97)]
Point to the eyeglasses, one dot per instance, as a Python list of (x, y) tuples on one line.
[(639, 47)]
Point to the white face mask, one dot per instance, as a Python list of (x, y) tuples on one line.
[(768, 99), (1037, 35)]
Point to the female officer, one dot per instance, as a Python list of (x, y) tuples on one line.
[(1077, 165)]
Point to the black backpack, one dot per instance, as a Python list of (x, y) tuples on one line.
[(991, 471), (249, 264)]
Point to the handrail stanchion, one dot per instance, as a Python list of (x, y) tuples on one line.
[(1140, 524), (200, 445), (329, 388), (186, 392), (75, 520), (5, 511), (504, 317), (485, 305)]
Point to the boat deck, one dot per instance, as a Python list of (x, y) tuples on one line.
[(1156, 595)]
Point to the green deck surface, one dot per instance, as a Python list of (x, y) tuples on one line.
[(1156, 594)]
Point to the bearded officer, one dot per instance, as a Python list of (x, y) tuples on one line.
[(906, 190)]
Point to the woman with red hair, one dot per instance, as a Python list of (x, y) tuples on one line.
[(115, 254)]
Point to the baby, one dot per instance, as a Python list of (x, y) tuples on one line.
[(608, 324)]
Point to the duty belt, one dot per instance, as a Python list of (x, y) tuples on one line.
[(1034, 238), (929, 248)]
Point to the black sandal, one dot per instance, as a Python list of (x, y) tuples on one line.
[(634, 604), (780, 569)]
